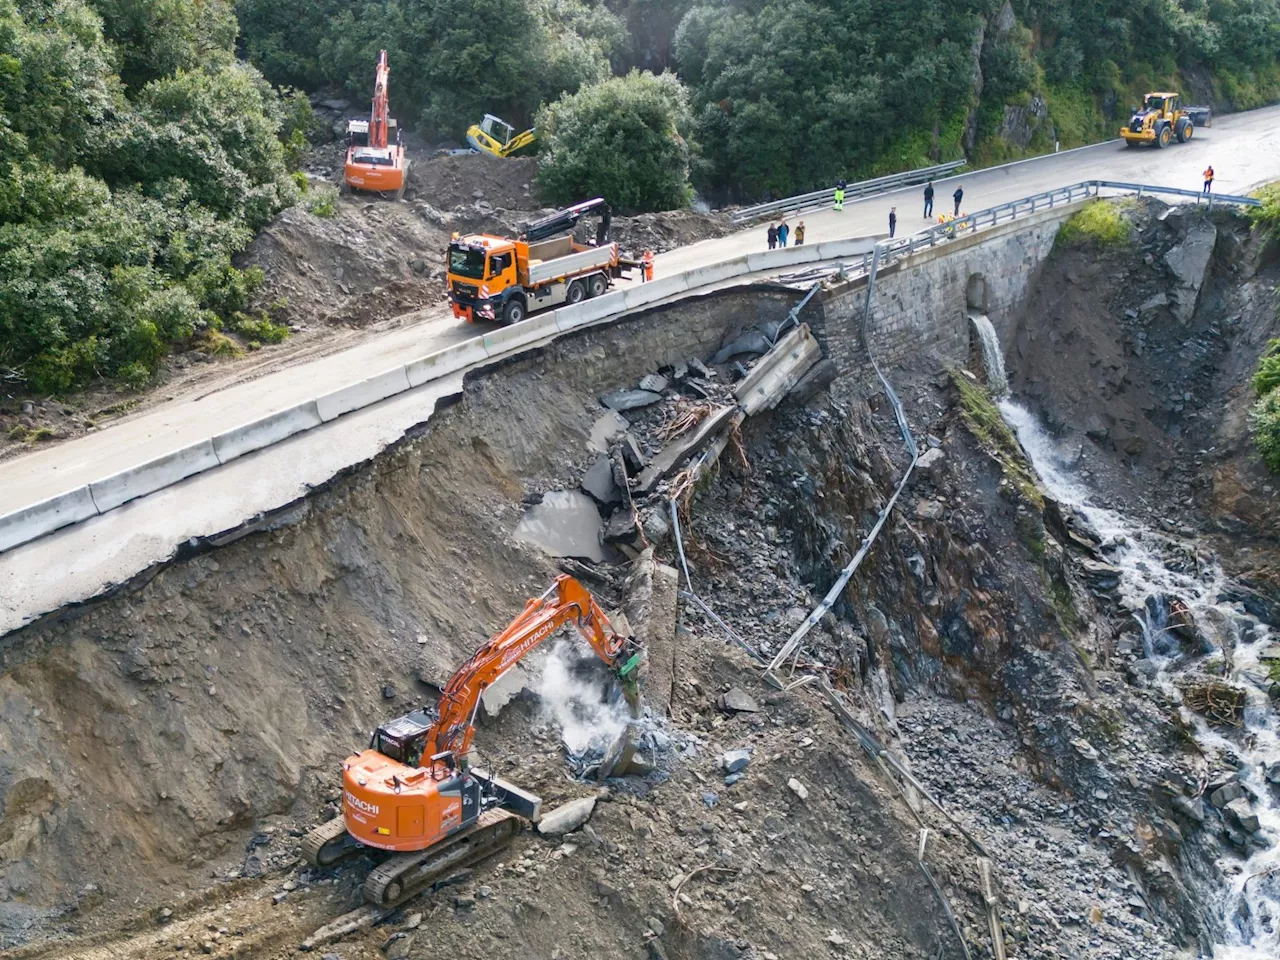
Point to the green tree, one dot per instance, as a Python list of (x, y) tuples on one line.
[(625, 139), (156, 38), (119, 216)]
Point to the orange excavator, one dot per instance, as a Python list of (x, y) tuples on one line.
[(414, 793), (374, 162)]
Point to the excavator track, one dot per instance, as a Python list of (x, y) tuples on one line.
[(403, 875), (329, 843)]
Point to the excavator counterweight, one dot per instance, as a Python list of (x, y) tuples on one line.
[(375, 157), (413, 791)]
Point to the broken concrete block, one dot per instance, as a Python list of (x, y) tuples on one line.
[(701, 369), (632, 455), (684, 446), (653, 382), (599, 483), (820, 376), (798, 788), (735, 760), (622, 400), (621, 527), (567, 817), (606, 427), (657, 528), (736, 700), (650, 605)]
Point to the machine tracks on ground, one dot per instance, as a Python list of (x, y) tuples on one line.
[(396, 880)]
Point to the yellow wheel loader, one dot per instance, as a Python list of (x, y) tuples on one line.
[(1161, 119), (495, 136)]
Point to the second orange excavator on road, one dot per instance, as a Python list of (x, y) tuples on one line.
[(375, 158), (413, 792)]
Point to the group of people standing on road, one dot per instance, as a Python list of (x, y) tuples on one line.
[(780, 233)]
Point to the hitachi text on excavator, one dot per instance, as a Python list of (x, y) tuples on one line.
[(414, 793), (375, 158)]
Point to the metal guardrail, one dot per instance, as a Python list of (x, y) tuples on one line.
[(863, 188), (890, 250)]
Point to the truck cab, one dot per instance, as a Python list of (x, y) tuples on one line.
[(483, 279)]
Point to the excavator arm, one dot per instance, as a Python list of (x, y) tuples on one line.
[(378, 118), (566, 601)]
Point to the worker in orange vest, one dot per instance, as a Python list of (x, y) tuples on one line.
[(1208, 178), (648, 265)]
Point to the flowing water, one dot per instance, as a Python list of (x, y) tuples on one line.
[(1162, 578), (997, 382)]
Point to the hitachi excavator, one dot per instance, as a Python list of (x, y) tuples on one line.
[(375, 158), (413, 792)]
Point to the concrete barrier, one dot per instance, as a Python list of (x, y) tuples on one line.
[(362, 394), (503, 341), (446, 361), (153, 475), (715, 273), (265, 431), (835, 249), (777, 259), (45, 517), (589, 311), (644, 294)]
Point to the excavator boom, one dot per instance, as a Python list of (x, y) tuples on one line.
[(413, 791)]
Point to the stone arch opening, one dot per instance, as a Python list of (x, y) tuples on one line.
[(975, 293)]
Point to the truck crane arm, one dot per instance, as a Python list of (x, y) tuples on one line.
[(564, 602), (561, 221)]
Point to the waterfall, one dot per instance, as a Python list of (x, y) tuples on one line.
[(1154, 573), (992, 358)]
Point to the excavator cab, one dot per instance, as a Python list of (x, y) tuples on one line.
[(403, 739), (498, 129), (495, 136)]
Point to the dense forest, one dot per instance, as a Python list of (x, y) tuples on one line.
[(143, 142)]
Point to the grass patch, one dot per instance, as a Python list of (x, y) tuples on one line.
[(260, 329), (983, 419), (322, 202), (1101, 223), (217, 344), (24, 434)]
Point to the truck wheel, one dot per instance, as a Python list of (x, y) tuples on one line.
[(1164, 136), (513, 312), (1184, 130), (576, 293), (597, 285)]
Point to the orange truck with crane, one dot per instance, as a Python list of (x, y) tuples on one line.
[(498, 278), (375, 158), (413, 793)]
